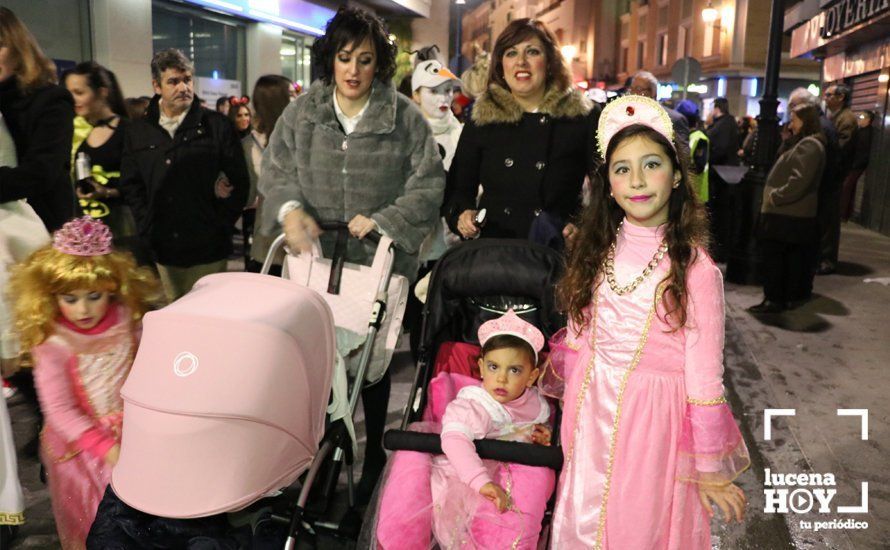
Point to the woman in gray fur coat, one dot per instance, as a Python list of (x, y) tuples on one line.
[(353, 150)]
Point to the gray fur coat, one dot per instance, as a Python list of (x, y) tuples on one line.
[(388, 169)]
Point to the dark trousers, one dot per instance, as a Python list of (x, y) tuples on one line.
[(848, 193), (787, 270), (829, 217), (375, 400)]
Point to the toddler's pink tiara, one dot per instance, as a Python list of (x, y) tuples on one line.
[(83, 237), (510, 323), (629, 110)]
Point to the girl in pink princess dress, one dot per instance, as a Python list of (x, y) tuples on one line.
[(471, 503), (77, 309), (651, 447)]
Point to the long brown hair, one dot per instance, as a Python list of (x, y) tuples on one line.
[(558, 74), (271, 94), (31, 66), (685, 233)]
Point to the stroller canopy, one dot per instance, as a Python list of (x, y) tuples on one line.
[(226, 399)]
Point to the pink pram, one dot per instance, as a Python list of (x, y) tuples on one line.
[(227, 396)]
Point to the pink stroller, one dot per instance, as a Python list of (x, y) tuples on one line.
[(227, 399)]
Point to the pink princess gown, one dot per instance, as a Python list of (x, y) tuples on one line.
[(644, 416), (78, 374)]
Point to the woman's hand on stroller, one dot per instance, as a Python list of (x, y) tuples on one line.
[(542, 434), (360, 226), (497, 495), (300, 229), (112, 456), (466, 224)]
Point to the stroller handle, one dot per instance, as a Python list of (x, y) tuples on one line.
[(504, 451), (374, 235)]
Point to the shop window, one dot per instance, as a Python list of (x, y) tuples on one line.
[(214, 44), (296, 62)]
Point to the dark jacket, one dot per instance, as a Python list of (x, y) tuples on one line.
[(724, 136), (41, 124), (681, 126), (169, 184), (526, 163), (791, 193), (863, 148)]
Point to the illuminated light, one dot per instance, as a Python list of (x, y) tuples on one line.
[(710, 14), (721, 86), (288, 22), (569, 52), (268, 6), (813, 89), (288, 50), (884, 77), (226, 5), (697, 88), (460, 2), (665, 91), (727, 15), (753, 87), (215, 74)]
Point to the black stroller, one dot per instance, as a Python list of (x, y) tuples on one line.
[(473, 283)]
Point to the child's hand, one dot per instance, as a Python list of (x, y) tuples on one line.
[(542, 435), (730, 498), (497, 495), (112, 456)]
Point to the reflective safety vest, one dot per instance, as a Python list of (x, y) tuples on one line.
[(699, 181)]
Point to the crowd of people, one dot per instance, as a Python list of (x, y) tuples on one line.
[(93, 185)]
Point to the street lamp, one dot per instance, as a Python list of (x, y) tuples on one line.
[(569, 52), (710, 14)]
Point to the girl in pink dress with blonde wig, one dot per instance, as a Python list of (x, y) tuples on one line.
[(78, 305), (651, 447)]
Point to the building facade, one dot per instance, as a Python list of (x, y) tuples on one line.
[(232, 42), (852, 38), (608, 40)]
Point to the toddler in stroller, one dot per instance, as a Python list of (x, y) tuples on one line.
[(472, 284), (474, 503)]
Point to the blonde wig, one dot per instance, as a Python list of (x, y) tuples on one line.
[(47, 272)]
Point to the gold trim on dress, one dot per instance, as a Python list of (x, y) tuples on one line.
[(707, 403), (12, 518)]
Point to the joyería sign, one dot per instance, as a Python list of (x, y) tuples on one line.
[(844, 14)]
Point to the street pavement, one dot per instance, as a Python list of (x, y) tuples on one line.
[(831, 353)]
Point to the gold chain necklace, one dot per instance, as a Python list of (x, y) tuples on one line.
[(610, 267)]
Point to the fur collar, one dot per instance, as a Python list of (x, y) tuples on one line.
[(497, 105), (379, 118)]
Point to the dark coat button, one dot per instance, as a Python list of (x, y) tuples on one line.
[(508, 162), (540, 165), (508, 211)]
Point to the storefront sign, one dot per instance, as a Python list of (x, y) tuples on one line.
[(211, 89), (845, 14)]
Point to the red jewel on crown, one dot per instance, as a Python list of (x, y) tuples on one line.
[(630, 110)]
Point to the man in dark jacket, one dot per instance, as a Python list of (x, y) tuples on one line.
[(723, 137), (171, 163)]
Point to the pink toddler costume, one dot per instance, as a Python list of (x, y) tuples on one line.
[(78, 374), (645, 418), (452, 508)]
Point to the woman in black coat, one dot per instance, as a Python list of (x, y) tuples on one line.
[(40, 118), (529, 144)]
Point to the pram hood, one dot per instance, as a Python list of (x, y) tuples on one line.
[(226, 398)]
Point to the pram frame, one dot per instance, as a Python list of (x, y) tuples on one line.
[(336, 446)]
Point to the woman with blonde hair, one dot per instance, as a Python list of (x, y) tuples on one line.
[(40, 117)]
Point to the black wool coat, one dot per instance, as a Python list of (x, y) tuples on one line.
[(41, 123), (169, 183), (526, 163)]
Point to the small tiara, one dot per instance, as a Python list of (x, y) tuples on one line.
[(627, 111), (83, 237), (512, 324)]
